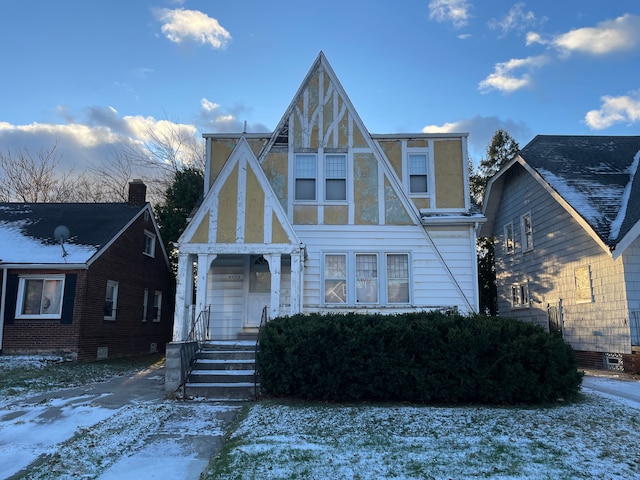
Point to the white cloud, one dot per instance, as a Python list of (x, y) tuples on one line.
[(533, 37), (516, 19), (481, 130), (182, 25), (625, 108), (454, 11), (623, 33), (504, 78), (208, 106)]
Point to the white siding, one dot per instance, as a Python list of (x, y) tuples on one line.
[(431, 285), (631, 260)]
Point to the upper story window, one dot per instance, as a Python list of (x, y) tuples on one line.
[(418, 172), (111, 300), (509, 245), (157, 306), (40, 297), (335, 168), (527, 233), (306, 174), (149, 247)]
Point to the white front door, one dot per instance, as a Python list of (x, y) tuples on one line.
[(259, 295)]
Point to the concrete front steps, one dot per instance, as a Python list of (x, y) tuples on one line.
[(224, 370)]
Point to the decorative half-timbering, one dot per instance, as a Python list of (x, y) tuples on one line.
[(320, 215)]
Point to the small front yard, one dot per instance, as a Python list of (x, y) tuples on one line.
[(593, 438)]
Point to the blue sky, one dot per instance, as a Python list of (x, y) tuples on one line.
[(88, 74)]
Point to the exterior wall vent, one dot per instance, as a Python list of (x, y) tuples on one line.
[(103, 353), (153, 348)]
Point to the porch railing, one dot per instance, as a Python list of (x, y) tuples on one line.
[(263, 320), (198, 334)]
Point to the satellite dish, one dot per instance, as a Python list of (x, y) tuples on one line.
[(61, 234)]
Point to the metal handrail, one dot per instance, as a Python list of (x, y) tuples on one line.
[(263, 320), (198, 334)]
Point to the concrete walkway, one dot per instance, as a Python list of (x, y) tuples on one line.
[(156, 437)]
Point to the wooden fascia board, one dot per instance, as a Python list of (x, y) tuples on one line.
[(240, 248), (627, 240)]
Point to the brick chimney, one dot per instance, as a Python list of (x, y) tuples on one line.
[(137, 193)]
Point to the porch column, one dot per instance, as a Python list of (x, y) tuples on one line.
[(184, 293), (275, 266), (296, 284), (204, 263)]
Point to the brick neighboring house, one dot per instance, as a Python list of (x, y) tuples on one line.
[(105, 291)]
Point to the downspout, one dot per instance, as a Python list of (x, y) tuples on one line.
[(3, 294)]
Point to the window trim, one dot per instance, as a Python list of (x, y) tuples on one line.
[(145, 304), (582, 298), (350, 282), (509, 240), (296, 177), (520, 295), (22, 281), (327, 178), (527, 245), (114, 308), (429, 171), (149, 246), (157, 306)]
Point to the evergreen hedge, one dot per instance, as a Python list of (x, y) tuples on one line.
[(424, 357)]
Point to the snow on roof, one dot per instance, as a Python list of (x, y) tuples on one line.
[(594, 174), (19, 248)]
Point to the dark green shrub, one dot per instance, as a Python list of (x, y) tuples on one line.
[(416, 357)]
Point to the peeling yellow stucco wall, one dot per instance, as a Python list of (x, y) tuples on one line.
[(228, 209), (394, 211), (358, 138), (393, 151), (201, 235), (220, 151), (421, 202), (254, 210), (336, 214), (365, 189), (275, 168), (305, 215), (278, 234), (418, 143), (449, 174)]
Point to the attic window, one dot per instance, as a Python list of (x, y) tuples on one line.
[(418, 173), (40, 297), (149, 247)]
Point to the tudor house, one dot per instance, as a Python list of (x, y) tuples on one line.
[(322, 216), (565, 213), (86, 280)]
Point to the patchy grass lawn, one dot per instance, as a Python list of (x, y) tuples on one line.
[(21, 376), (592, 438)]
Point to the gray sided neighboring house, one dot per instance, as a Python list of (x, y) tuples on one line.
[(565, 213)]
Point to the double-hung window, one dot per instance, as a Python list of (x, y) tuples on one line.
[(366, 278), (149, 247), (508, 238), (111, 300), (418, 173), (520, 296), (40, 297), (335, 171), (306, 174), (335, 278), (398, 278), (157, 306), (145, 304), (527, 233)]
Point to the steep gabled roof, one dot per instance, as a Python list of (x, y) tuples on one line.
[(594, 175), (26, 230)]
